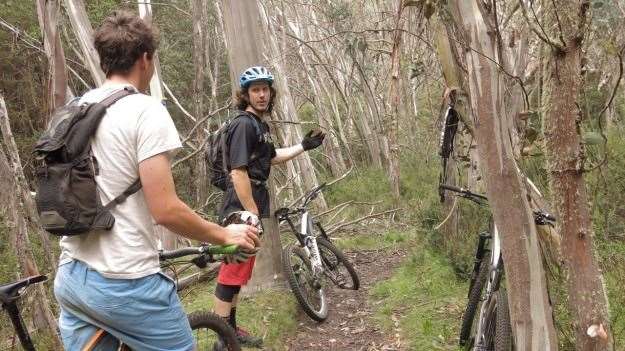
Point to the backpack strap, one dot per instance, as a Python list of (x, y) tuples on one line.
[(224, 146), (110, 100), (133, 188), (259, 133), (136, 185)]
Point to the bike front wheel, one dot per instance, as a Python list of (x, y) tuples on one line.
[(305, 286), (211, 332), (467, 328), (503, 328), (336, 266)]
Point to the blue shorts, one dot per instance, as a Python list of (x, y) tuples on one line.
[(143, 313)]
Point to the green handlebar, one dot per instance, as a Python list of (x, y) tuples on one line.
[(223, 249)]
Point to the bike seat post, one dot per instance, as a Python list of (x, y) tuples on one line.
[(18, 325)]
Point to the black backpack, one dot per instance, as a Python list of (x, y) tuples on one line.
[(217, 152), (67, 197)]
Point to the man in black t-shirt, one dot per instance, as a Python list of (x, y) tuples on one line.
[(251, 153)]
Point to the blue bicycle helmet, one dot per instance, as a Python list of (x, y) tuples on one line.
[(255, 74)]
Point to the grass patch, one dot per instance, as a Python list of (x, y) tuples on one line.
[(426, 297), (270, 314), (388, 240)]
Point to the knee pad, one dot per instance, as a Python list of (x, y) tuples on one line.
[(226, 292)]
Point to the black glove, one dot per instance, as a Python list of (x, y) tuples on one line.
[(313, 139)]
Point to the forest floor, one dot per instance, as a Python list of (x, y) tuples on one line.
[(350, 324)]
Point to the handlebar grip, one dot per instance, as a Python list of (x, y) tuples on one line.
[(223, 249), (168, 255)]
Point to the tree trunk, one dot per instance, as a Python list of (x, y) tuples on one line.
[(587, 300), (156, 89), (244, 41), (331, 145), (169, 240), (530, 311), (394, 102), (57, 88), (13, 190), (84, 35), (198, 10), (292, 132)]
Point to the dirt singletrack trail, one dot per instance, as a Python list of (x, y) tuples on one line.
[(350, 324)]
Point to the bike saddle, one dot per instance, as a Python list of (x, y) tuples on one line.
[(11, 292)]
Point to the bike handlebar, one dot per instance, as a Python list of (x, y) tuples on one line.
[(199, 250), (284, 212), (464, 193), (540, 217), (313, 194)]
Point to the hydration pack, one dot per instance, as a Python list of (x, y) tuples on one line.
[(217, 152), (67, 198)]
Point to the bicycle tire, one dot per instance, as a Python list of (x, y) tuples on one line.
[(332, 264), (503, 328), (299, 281), (218, 327), (475, 296)]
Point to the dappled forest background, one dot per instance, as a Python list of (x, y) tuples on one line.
[(338, 59)]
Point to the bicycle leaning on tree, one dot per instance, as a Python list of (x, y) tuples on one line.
[(491, 330)]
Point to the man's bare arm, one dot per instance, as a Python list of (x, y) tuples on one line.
[(168, 210), (243, 189), (287, 153)]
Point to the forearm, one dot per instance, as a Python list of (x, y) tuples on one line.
[(287, 153), (183, 221), (243, 189)]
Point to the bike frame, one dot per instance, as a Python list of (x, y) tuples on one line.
[(308, 240), (18, 325)]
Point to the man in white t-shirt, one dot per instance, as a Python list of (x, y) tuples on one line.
[(111, 279)]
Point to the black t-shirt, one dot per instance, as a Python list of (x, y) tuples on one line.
[(250, 146)]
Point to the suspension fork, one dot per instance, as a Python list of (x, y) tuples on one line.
[(18, 324), (479, 257)]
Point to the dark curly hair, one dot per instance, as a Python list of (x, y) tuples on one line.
[(242, 99), (121, 40)]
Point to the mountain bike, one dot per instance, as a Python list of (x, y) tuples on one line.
[(492, 330), (313, 259), (207, 327)]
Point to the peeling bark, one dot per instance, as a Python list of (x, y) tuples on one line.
[(57, 88), (530, 310), (587, 300), (84, 34), (14, 195)]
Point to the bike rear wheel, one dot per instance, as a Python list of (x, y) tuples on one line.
[(475, 296), (208, 328), (337, 268), (305, 287)]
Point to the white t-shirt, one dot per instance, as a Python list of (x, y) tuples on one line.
[(135, 128)]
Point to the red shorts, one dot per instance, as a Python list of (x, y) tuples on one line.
[(236, 273)]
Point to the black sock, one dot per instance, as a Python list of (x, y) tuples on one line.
[(232, 319)]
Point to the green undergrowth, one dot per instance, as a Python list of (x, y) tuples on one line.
[(422, 301), (372, 241), (271, 314)]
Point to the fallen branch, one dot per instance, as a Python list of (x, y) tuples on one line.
[(451, 212), (373, 215), (327, 184)]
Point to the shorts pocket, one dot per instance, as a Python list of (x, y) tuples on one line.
[(107, 293)]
